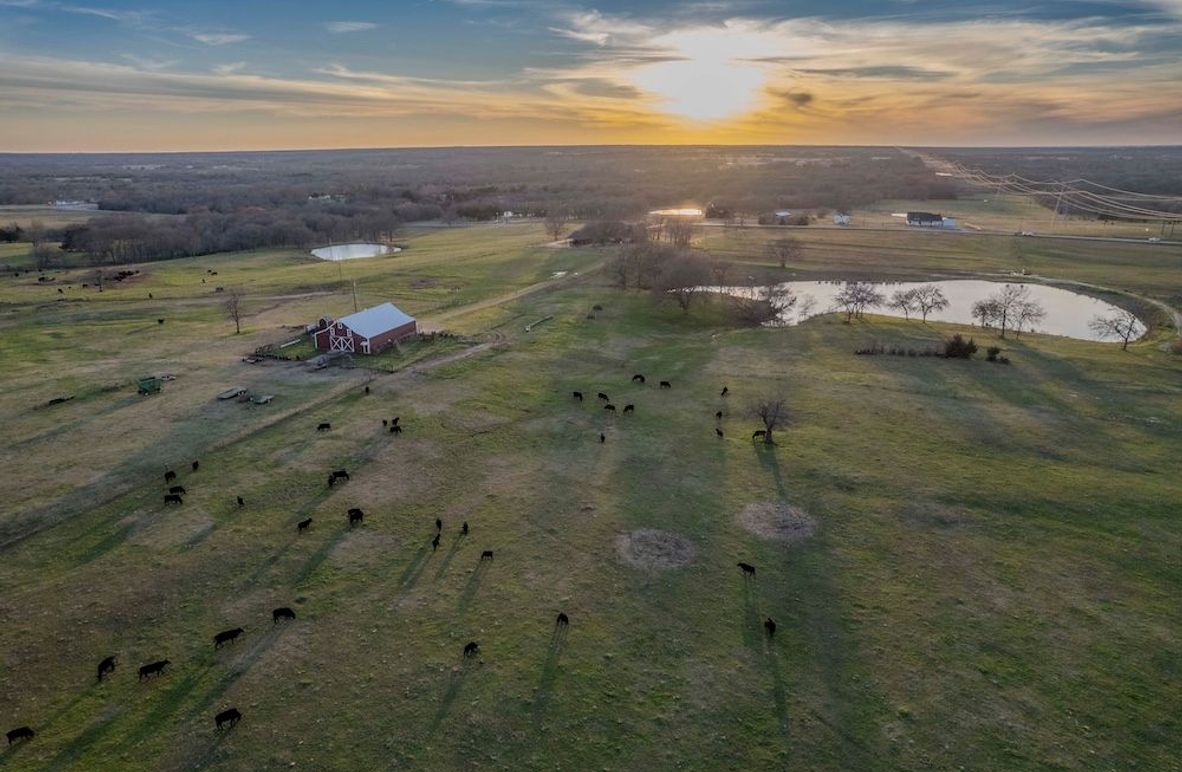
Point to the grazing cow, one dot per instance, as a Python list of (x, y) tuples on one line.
[(227, 636), (602, 437), (394, 420), (464, 528), (757, 434), (395, 429), (604, 397), (562, 621), (178, 489), (230, 716), (324, 427), (769, 624), (666, 385), (367, 390), (60, 291), (341, 474), (438, 524), (241, 502), (302, 525), (159, 321), (629, 409), (107, 666), (25, 733), (718, 415), (724, 391), (638, 378), (385, 422), (746, 568), (577, 395), (282, 613), (172, 498), (486, 555), (610, 407), (356, 516), (153, 669), (719, 433), (169, 476), (435, 543), (472, 649), (195, 465)]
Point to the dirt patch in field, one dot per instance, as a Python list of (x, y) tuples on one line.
[(777, 521), (652, 550)]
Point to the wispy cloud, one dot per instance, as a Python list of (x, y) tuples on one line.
[(349, 26), (219, 38)]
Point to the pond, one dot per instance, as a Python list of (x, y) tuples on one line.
[(1068, 313), (354, 251)]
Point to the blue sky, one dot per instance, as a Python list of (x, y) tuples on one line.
[(163, 75)]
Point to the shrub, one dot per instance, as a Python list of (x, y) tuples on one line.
[(957, 347), (991, 353)]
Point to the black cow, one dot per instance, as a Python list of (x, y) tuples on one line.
[(394, 420), (282, 613), (464, 528), (229, 716), (610, 407), (629, 408), (169, 476), (438, 524), (195, 465), (107, 666), (302, 525), (356, 516), (385, 422), (577, 395), (341, 474), (178, 489), (769, 624), (153, 668), (562, 621), (638, 378), (367, 390), (666, 385), (604, 397), (323, 427), (172, 498), (486, 555), (395, 429), (227, 636), (435, 543), (471, 649), (746, 568), (602, 437), (757, 434), (718, 432), (718, 415), (158, 321), (25, 733), (241, 502), (724, 392)]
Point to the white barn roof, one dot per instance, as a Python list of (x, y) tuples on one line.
[(376, 320)]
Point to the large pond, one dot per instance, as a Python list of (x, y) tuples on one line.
[(1068, 313), (354, 251)]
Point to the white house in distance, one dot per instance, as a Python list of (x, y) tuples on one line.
[(929, 220), (841, 218), (365, 332)]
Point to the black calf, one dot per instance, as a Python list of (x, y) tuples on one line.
[(472, 649), (464, 528), (629, 408), (577, 395), (282, 613), (724, 392), (241, 502), (603, 396), (610, 407), (324, 427), (196, 465), (486, 555), (302, 525), (719, 433), (172, 498), (602, 437), (638, 378), (230, 716), (356, 516), (769, 624), (666, 385), (385, 422), (758, 434), (227, 636), (746, 568), (395, 429), (718, 416), (169, 476), (107, 666), (20, 733), (153, 669), (562, 621), (177, 489)]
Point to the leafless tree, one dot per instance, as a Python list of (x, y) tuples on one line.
[(904, 300), (555, 223), (680, 232), (682, 278), (783, 251), (721, 270), (42, 248), (1027, 314), (1008, 308), (1122, 324), (929, 298), (773, 413), (986, 312), (857, 297), (233, 308), (764, 304)]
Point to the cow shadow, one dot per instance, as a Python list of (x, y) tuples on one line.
[(470, 589), (451, 553), (549, 673), (779, 697), (771, 464), (412, 573), (750, 626), (455, 682)]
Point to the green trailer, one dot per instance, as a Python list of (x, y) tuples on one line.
[(149, 385)]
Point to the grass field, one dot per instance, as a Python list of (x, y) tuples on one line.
[(993, 582)]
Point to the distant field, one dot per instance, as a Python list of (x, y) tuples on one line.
[(993, 582)]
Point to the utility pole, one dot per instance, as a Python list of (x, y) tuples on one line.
[(354, 297)]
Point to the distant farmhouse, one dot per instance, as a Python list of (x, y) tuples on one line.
[(782, 216), (841, 218), (929, 220), (365, 332)]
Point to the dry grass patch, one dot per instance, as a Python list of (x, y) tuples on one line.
[(652, 550), (777, 521)]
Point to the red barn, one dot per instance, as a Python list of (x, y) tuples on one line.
[(365, 332)]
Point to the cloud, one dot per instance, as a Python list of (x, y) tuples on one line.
[(338, 27), (218, 38)]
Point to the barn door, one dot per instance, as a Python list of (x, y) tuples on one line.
[(340, 342)]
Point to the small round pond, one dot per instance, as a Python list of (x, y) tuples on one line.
[(1067, 313), (354, 251)]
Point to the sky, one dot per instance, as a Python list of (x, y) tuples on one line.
[(166, 75)]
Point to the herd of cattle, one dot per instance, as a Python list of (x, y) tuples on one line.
[(230, 717)]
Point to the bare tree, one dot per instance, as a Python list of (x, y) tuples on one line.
[(904, 300), (1122, 324), (857, 297), (783, 251), (773, 413), (555, 223), (682, 278), (1008, 308), (929, 298), (764, 304), (42, 249), (680, 232), (721, 270), (233, 308), (986, 312), (1027, 314)]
